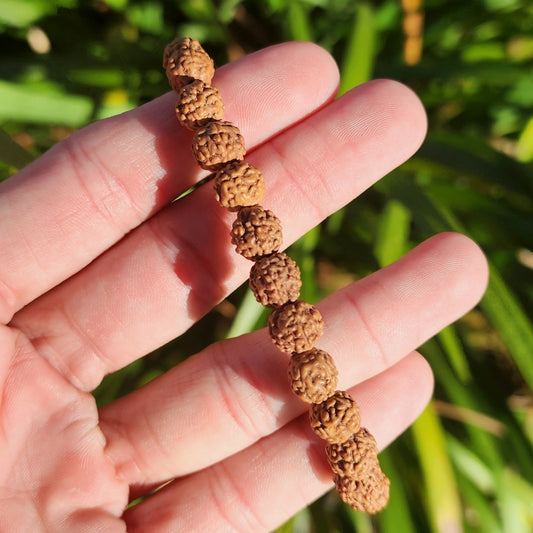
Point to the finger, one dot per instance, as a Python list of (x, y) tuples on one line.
[(236, 392), (261, 487), (159, 280), (86, 193)]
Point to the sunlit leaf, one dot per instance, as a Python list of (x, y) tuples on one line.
[(392, 233), (525, 143), (443, 500), (18, 102), (506, 313), (298, 22), (358, 62), (453, 349)]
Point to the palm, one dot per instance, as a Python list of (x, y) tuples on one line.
[(55, 474), (98, 269)]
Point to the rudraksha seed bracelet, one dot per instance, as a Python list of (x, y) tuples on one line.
[(294, 325)]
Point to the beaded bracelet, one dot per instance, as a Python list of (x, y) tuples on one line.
[(294, 325)]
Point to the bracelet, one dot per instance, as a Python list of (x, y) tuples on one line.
[(294, 325)]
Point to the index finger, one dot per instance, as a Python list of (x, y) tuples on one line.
[(85, 194)]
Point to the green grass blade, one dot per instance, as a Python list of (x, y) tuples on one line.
[(361, 522), (396, 516), (249, 313), (299, 25), (392, 233), (499, 304), (359, 56), (520, 488), (525, 143), (287, 527), (443, 501), (456, 355), (514, 513), (302, 252), (485, 444), (470, 465), (481, 512), (12, 153), (508, 317), (25, 104)]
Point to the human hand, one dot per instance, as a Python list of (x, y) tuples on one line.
[(98, 269)]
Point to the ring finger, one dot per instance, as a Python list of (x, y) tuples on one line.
[(235, 392)]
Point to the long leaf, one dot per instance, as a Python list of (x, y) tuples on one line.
[(500, 305), (511, 322), (454, 351), (392, 233), (396, 516), (24, 104), (299, 25), (247, 316), (443, 501), (359, 57)]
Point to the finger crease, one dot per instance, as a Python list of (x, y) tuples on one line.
[(375, 341)]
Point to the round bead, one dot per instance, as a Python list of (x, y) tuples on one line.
[(275, 280), (197, 104), (347, 458), (216, 143), (239, 184), (256, 232), (312, 375), (336, 418), (295, 327), (184, 60), (368, 493)]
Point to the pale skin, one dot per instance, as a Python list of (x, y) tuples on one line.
[(98, 269)]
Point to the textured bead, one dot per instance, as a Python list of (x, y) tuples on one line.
[(275, 280), (256, 232), (184, 60), (312, 375), (336, 418), (369, 493), (197, 104), (345, 458), (239, 184), (295, 327), (217, 143)]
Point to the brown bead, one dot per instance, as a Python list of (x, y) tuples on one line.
[(197, 104), (239, 184), (184, 60), (368, 493), (256, 232), (346, 458), (312, 375), (295, 327), (275, 280), (411, 5), (216, 143), (412, 50), (413, 24), (336, 418)]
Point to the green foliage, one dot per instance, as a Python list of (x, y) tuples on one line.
[(358, 60), (473, 174)]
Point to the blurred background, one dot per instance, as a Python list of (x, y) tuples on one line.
[(467, 463)]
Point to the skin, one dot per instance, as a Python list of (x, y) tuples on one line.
[(98, 269)]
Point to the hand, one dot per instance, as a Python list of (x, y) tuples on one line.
[(98, 269)]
